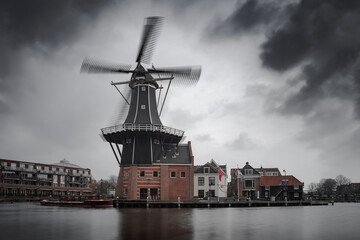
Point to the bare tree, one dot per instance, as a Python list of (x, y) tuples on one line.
[(112, 181), (342, 180), (313, 187), (327, 186)]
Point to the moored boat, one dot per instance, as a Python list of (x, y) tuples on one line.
[(80, 201)]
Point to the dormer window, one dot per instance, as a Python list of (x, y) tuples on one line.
[(284, 182), (248, 172), (206, 170)]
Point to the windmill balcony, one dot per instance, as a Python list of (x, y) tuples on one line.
[(142, 128)]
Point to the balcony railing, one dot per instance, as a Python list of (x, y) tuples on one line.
[(45, 179), (10, 176), (142, 127)]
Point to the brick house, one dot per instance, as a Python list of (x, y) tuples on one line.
[(207, 180), (248, 182), (20, 178), (281, 188), (168, 178)]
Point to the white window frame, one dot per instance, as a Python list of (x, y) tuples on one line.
[(203, 181)]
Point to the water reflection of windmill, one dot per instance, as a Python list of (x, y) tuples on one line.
[(143, 137)]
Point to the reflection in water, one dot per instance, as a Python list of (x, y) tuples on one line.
[(156, 223), (32, 221)]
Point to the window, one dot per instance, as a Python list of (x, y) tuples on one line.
[(200, 181), (143, 107), (142, 173), (126, 174), (249, 183), (143, 89), (212, 181), (156, 141), (284, 182), (248, 171), (13, 165), (201, 193), (266, 194), (211, 193), (125, 191), (128, 140), (267, 187), (274, 173), (155, 174), (206, 169), (173, 174), (182, 175), (296, 187), (296, 195)]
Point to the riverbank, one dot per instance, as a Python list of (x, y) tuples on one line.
[(212, 204)]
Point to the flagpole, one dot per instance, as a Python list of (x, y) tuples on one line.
[(238, 187)]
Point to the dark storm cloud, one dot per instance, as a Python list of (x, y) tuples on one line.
[(323, 37), (40, 25), (251, 15)]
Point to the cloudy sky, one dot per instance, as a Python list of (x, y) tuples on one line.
[(279, 87)]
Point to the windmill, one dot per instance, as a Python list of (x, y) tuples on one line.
[(143, 137)]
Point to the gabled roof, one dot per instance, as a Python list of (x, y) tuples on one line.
[(277, 180), (214, 167), (256, 170)]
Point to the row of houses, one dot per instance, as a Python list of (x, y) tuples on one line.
[(210, 180), (173, 178)]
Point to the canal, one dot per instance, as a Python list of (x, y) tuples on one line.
[(32, 221)]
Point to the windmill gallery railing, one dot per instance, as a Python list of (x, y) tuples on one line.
[(143, 128)]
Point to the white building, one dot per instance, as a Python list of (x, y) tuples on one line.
[(207, 180)]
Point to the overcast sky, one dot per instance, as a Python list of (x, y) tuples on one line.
[(279, 87)]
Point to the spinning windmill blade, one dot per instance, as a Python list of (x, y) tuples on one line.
[(149, 38), (123, 108), (96, 66), (183, 75)]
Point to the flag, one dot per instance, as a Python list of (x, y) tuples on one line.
[(239, 174), (220, 174)]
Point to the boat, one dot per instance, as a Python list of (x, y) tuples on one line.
[(91, 201)]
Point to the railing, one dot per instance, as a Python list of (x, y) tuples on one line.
[(142, 127), (10, 176)]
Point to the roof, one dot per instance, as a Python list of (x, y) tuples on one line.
[(66, 163), (214, 167), (179, 155), (255, 172), (276, 180)]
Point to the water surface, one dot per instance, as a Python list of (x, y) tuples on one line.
[(32, 221)]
